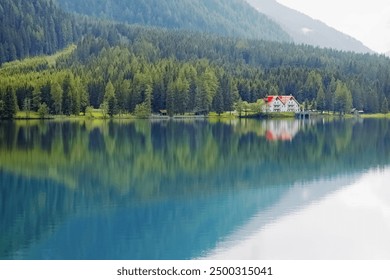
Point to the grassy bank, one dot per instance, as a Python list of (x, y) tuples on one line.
[(279, 115), (98, 114), (375, 116)]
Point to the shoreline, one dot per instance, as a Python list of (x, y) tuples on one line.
[(212, 116)]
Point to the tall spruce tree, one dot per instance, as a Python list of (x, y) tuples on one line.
[(9, 107), (110, 98)]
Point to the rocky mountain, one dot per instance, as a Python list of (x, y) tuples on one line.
[(306, 30), (234, 18)]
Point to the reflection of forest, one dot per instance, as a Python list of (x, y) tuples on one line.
[(52, 169), (144, 157)]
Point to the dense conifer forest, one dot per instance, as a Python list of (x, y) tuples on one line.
[(29, 28), (223, 17), (122, 68)]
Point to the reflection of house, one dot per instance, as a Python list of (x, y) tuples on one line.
[(281, 130), (281, 103)]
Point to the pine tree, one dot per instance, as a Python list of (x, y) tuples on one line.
[(2, 105), (343, 98), (56, 95), (67, 92), (110, 98), (321, 102), (385, 106), (43, 111), (218, 103), (9, 107)]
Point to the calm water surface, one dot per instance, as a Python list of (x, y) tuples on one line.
[(195, 189)]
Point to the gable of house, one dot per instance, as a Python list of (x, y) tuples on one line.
[(281, 103)]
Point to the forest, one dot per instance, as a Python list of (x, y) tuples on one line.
[(222, 17), (121, 69), (29, 28)]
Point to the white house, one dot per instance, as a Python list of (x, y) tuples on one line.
[(281, 103)]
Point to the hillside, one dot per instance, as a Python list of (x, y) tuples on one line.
[(304, 29), (224, 17), (30, 28), (138, 70), (121, 69)]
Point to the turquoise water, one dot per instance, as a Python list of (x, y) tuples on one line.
[(193, 189)]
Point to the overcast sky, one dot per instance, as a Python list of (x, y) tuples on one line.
[(367, 21)]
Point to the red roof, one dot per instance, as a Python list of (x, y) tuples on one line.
[(283, 98), (273, 136)]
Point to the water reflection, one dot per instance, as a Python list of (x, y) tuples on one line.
[(282, 130), (352, 222), (165, 190)]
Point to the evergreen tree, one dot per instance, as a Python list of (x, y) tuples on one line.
[(56, 95), (206, 90), (36, 98), (181, 95), (321, 102), (2, 105), (110, 99), (343, 98), (27, 106), (9, 107), (384, 106), (312, 85), (46, 94), (67, 92), (43, 111), (170, 102), (218, 103), (372, 102)]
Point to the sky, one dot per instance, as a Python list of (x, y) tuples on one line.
[(367, 21)]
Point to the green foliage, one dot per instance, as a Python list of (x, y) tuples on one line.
[(27, 106), (332, 145), (34, 27), (56, 94), (104, 109), (89, 112), (384, 106), (8, 104), (343, 98), (239, 107), (228, 17), (257, 107), (189, 72), (321, 99), (67, 89), (142, 110), (43, 111), (2, 105), (110, 98)]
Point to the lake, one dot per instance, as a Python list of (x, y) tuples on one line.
[(195, 189)]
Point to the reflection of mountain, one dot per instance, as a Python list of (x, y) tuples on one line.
[(293, 199), (163, 190)]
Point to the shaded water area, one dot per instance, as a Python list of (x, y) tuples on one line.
[(194, 189)]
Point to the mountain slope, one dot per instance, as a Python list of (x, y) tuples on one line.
[(223, 17), (33, 27), (304, 29)]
